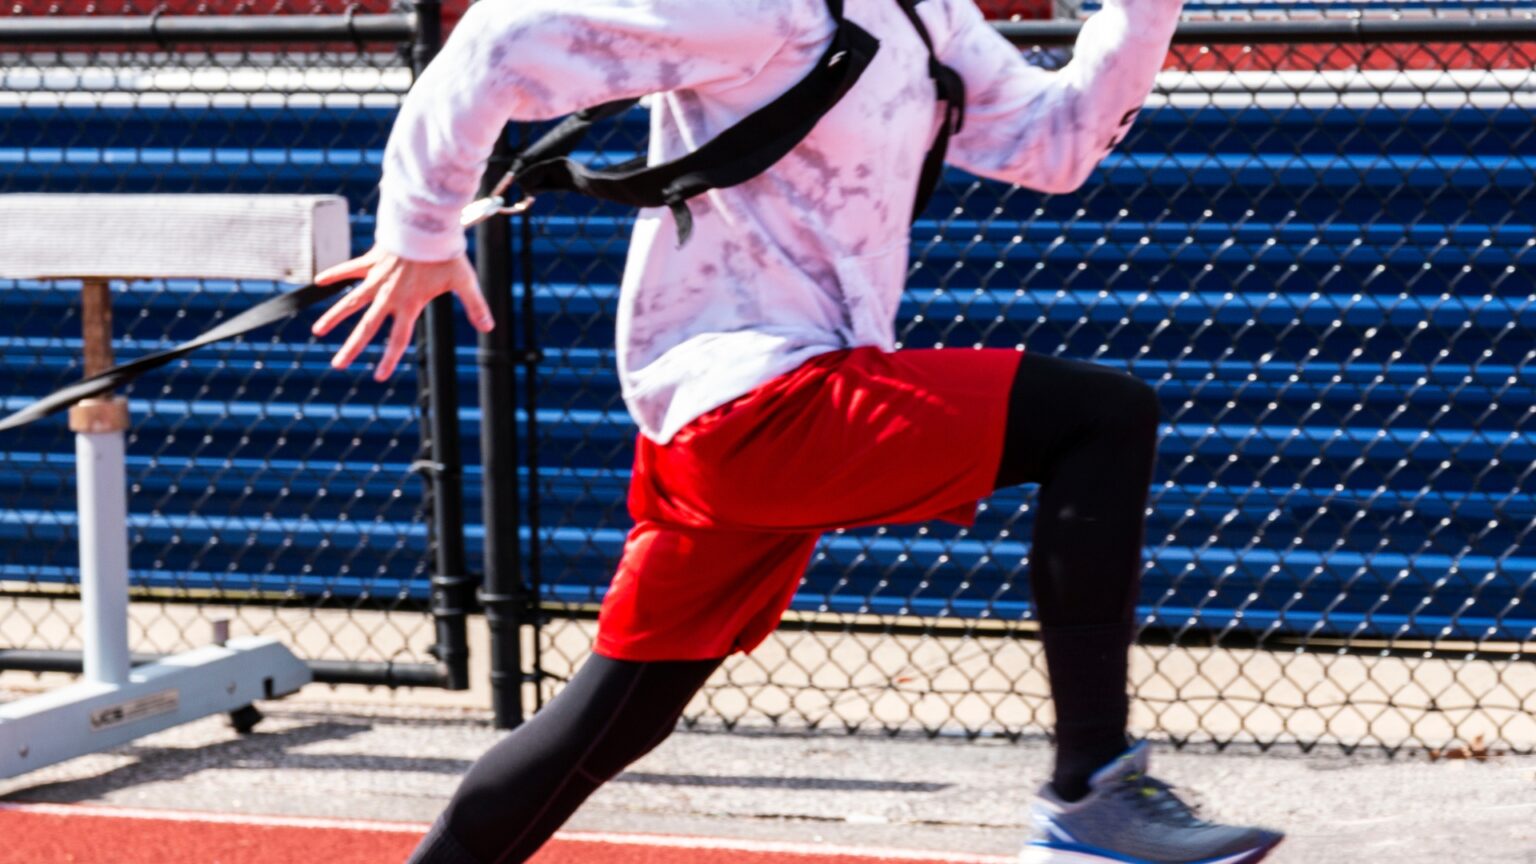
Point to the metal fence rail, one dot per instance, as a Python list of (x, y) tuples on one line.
[(1305, 9), (265, 488), (1316, 243)]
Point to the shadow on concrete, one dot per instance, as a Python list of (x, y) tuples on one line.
[(838, 784), (273, 750), (164, 764)]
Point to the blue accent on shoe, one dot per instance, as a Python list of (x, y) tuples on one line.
[(1132, 818), (1109, 855), (1088, 850)]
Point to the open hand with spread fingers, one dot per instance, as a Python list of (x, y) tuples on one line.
[(399, 289)]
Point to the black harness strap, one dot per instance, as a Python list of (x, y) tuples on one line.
[(735, 156), (566, 135), (950, 89), (746, 149)]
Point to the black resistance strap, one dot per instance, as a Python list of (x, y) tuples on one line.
[(735, 156), (746, 149), (260, 315)]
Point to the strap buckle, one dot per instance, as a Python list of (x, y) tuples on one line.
[(494, 204), (484, 209)]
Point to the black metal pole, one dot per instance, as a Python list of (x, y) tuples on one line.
[(532, 356), (1287, 32), (450, 580), (502, 594), (452, 585), (171, 29)]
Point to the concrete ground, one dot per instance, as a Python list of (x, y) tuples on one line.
[(316, 758), (352, 752)]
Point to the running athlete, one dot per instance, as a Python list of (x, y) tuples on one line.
[(758, 359)]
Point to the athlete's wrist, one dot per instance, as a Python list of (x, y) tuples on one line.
[(415, 234)]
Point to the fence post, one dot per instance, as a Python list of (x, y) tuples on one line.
[(532, 355), (503, 594), (450, 579)]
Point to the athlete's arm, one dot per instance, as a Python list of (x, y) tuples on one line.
[(522, 60), (1047, 130), (537, 59)]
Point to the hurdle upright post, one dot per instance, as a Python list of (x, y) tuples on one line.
[(101, 486), (62, 236)]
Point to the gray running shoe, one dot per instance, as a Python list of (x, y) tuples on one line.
[(1130, 818)]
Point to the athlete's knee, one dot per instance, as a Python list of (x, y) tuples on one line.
[(639, 725), (1127, 409), (611, 757), (1142, 410)]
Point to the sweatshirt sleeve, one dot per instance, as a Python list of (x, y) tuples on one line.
[(521, 60), (1048, 130)]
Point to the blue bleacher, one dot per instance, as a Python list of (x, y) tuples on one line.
[(1334, 305)]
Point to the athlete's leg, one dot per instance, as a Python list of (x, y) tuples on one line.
[(1087, 434), (514, 797)]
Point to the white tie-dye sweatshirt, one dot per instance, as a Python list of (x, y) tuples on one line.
[(807, 258)]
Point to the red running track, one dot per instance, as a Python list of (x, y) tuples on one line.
[(74, 834)]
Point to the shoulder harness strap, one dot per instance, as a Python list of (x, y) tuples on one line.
[(737, 154), (950, 89)]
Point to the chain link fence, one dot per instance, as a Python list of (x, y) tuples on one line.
[(1317, 245), (265, 488)]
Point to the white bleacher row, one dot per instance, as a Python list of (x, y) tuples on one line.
[(234, 75), (256, 87)]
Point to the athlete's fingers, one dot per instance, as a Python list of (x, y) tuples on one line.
[(347, 306), (479, 312), (354, 269), (367, 327), (400, 331)]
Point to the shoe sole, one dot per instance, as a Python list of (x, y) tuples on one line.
[(1047, 855)]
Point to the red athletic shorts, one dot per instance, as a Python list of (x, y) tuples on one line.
[(728, 513)]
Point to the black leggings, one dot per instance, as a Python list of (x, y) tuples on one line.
[(514, 797), (1085, 433), (1088, 435)]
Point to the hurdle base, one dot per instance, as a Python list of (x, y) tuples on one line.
[(91, 716)]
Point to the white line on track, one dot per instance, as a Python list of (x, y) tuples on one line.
[(654, 840), (215, 818)]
